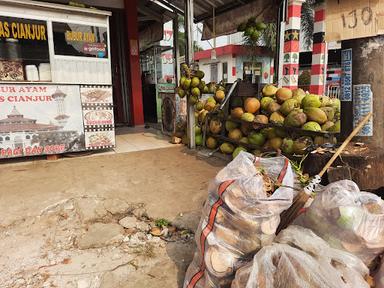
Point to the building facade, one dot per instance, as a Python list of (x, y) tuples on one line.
[(237, 62)]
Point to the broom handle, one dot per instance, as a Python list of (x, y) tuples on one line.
[(345, 143)]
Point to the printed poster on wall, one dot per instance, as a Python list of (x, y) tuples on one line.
[(98, 117), (362, 105), (40, 120)]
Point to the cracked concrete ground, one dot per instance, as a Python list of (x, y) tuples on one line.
[(59, 221)]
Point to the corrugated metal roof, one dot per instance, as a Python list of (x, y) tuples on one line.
[(203, 8), (229, 13)]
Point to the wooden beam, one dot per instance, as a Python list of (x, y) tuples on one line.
[(149, 12), (146, 18)]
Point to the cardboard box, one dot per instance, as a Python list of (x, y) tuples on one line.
[(351, 19)]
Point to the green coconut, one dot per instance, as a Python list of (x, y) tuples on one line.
[(237, 151), (287, 146), (256, 138), (312, 126), (311, 100), (288, 106)]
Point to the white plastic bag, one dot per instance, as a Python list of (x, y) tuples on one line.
[(347, 219), (299, 258), (239, 217)]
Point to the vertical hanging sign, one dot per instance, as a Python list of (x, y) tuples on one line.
[(346, 75)]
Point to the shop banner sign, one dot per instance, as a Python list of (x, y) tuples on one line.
[(23, 29), (166, 87), (362, 105), (40, 120), (21, 40), (346, 75), (80, 40)]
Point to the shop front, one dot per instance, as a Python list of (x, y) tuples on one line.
[(55, 80)]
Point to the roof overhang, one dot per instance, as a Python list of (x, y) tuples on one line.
[(234, 50), (263, 10), (153, 13), (228, 13)]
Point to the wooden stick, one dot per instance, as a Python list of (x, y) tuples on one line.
[(289, 215), (345, 143)]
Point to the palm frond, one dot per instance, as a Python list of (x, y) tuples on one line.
[(307, 21), (269, 36)]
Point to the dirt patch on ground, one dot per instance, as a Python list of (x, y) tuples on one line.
[(87, 242), (85, 222)]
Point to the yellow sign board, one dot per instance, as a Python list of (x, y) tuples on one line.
[(351, 19), (79, 36), (20, 30)]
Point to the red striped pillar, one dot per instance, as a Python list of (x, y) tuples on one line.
[(319, 51), (292, 45), (272, 71)]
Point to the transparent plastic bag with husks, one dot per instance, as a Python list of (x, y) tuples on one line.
[(240, 216), (379, 276), (347, 219), (299, 258)]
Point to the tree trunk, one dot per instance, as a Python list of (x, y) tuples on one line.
[(367, 68)]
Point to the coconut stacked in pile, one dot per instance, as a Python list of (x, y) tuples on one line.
[(284, 108)]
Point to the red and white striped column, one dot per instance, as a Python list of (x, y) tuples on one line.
[(292, 45), (319, 51), (272, 71)]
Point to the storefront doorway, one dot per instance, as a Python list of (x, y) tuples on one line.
[(119, 48)]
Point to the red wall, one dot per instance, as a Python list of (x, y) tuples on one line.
[(133, 59)]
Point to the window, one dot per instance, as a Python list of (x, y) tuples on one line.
[(27, 137), (225, 72), (252, 71), (214, 72), (80, 40), (1, 139), (7, 138), (23, 50)]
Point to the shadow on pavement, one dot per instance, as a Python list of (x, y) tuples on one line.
[(216, 160), (181, 253)]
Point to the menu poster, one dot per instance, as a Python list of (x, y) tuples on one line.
[(99, 139), (96, 95), (98, 117)]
